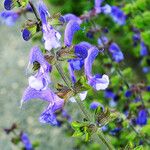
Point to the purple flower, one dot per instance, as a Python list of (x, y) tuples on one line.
[(82, 96), (102, 41), (116, 52), (69, 17), (97, 81), (106, 9), (50, 35), (95, 104), (146, 69), (55, 103), (128, 93), (37, 56), (136, 38), (8, 4), (43, 12), (142, 117), (80, 51), (98, 6), (143, 50), (48, 116), (26, 141), (109, 94), (118, 15), (71, 28), (26, 34), (74, 64), (98, 3), (9, 17), (41, 79), (115, 131)]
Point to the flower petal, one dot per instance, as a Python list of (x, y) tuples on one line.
[(30, 93), (71, 28), (118, 15), (81, 49), (116, 52), (69, 17), (43, 12), (92, 53)]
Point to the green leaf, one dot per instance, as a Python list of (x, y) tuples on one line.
[(81, 85), (76, 124), (106, 116)]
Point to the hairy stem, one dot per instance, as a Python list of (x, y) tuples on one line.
[(58, 67), (99, 134), (34, 11)]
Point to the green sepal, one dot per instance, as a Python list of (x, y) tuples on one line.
[(81, 85), (54, 20), (83, 128), (104, 117), (65, 53), (24, 3)]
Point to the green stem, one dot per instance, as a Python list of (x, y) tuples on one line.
[(100, 135), (105, 141), (82, 107), (58, 67), (34, 11)]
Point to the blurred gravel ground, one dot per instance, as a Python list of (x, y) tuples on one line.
[(13, 61)]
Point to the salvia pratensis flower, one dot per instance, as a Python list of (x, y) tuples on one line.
[(81, 52), (136, 38), (55, 103), (115, 131), (97, 81), (118, 15), (142, 117), (106, 9), (102, 41), (117, 55), (49, 116), (95, 104), (26, 141), (50, 35), (10, 4), (9, 17), (109, 94), (97, 6), (128, 93), (68, 17), (37, 56), (71, 28), (43, 12), (82, 96), (41, 79), (143, 50)]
